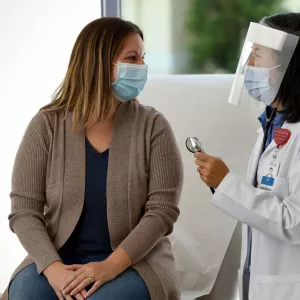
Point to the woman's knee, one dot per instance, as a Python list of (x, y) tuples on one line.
[(29, 285)]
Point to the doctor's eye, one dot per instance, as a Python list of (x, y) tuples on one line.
[(256, 53)]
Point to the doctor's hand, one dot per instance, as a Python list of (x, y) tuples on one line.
[(212, 170)]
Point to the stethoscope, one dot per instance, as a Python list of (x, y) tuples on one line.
[(270, 116), (194, 145)]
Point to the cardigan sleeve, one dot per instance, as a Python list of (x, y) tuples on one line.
[(28, 197), (164, 189)]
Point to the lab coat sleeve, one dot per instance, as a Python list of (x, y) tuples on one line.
[(262, 210)]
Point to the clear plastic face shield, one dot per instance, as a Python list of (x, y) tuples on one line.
[(265, 57)]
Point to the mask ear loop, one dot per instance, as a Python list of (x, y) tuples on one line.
[(277, 102), (116, 64), (274, 67)]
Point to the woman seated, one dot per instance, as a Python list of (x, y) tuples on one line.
[(97, 180)]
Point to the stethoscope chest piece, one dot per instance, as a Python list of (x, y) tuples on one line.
[(193, 144)]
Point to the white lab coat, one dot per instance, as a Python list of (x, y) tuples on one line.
[(274, 218)]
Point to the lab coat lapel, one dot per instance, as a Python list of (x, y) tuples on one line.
[(255, 157)]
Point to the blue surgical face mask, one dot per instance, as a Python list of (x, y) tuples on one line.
[(130, 81), (257, 82)]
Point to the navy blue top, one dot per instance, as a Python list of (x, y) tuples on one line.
[(91, 234)]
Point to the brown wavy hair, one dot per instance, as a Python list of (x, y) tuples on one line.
[(86, 89)]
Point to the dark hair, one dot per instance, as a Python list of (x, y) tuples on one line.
[(289, 91), (86, 88)]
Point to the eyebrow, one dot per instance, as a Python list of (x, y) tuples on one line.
[(133, 51)]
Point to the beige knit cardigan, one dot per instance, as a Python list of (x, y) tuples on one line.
[(143, 190)]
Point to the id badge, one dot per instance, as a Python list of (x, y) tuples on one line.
[(268, 180)]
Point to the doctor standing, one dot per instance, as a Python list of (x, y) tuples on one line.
[(268, 206)]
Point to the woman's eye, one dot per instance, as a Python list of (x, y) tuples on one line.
[(131, 58)]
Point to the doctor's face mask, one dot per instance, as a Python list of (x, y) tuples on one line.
[(261, 80)]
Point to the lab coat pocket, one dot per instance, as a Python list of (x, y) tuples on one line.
[(279, 287), (281, 188)]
